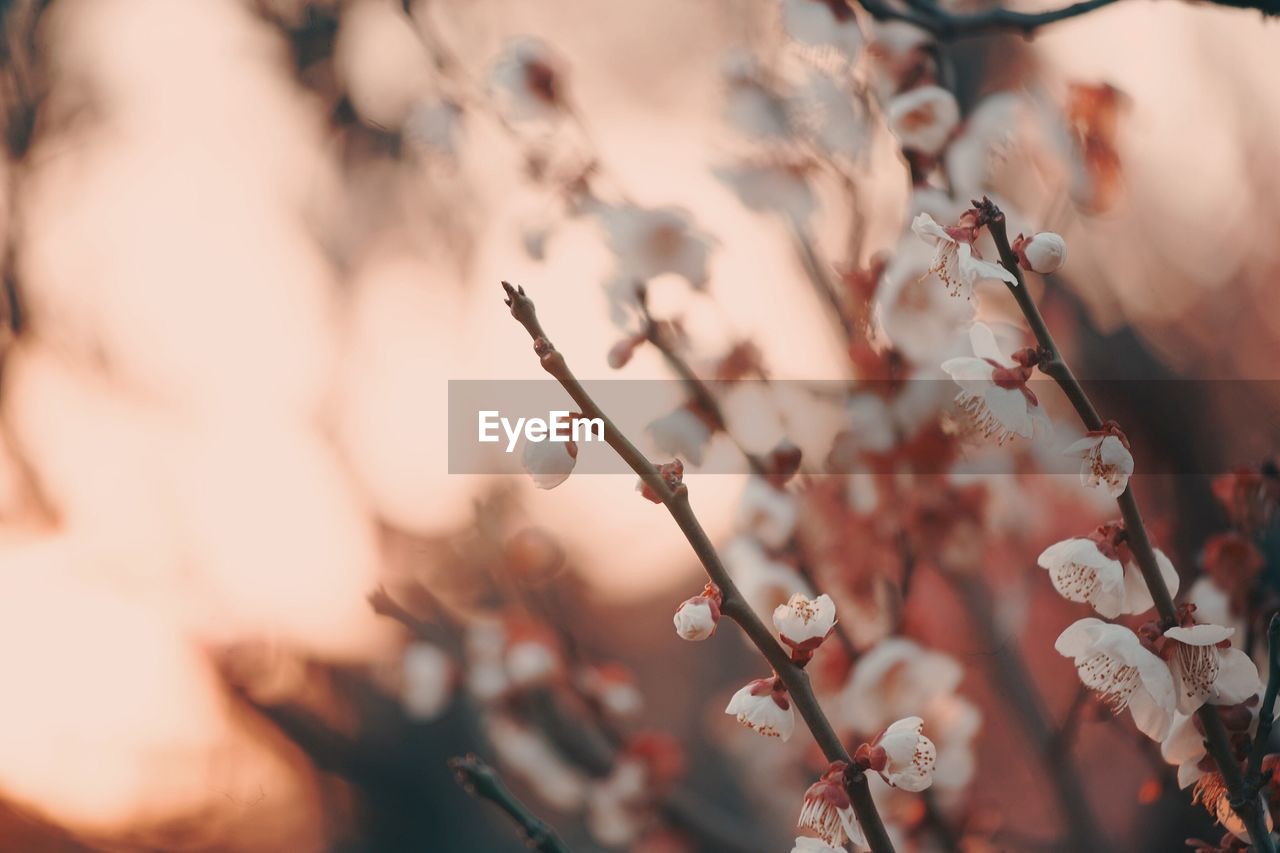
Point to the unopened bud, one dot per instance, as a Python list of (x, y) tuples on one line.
[(1044, 253)]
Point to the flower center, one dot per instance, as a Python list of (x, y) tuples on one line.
[(1077, 582), (1112, 680), (1198, 666)]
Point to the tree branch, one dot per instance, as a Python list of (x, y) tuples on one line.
[(947, 26), (482, 781), (1267, 712), (1246, 804), (734, 604)]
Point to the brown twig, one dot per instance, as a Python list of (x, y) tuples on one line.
[(945, 25), (734, 604), (1267, 711), (1245, 803), (481, 780)]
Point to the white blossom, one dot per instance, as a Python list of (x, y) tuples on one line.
[(803, 623), (1107, 463), (1097, 571), (649, 242), (1184, 747), (910, 757), (808, 844), (954, 259), (764, 706), (1113, 663), (923, 119), (993, 389), (1206, 668), (828, 812)]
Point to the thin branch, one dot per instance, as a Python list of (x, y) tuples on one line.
[(1246, 803), (947, 26), (734, 604), (482, 781), (1266, 713)]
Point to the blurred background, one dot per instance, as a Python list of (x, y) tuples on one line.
[(247, 244)]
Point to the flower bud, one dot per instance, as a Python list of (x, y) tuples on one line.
[(696, 617), (1044, 253), (549, 463)]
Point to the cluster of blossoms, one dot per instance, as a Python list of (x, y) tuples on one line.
[(910, 499)]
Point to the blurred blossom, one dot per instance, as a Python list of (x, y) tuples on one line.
[(614, 687), (680, 433), (780, 189), (752, 107), (823, 23), (896, 677), (993, 132), (528, 756), (763, 581), (923, 119), (648, 243), (767, 512), (435, 125), (615, 815), (833, 117), (428, 674), (529, 79), (915, 310)]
